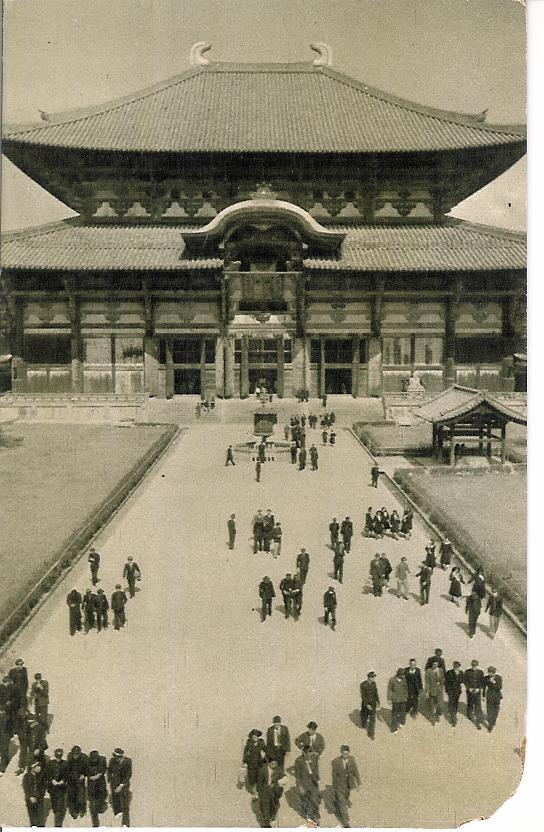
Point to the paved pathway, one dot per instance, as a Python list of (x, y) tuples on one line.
[(195, 668)]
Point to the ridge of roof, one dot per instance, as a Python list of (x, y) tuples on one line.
[(80, 114), (487, 230)]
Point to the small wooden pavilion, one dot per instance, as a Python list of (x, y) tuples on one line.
[(468, 416)]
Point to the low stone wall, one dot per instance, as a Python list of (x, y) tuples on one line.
[(68, 410)]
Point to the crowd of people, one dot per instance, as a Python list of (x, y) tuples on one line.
[(77, 783)]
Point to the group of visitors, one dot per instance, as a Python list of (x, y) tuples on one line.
[(205, 405), (264, 774), (380, 523), (267, 533), (411, 691)]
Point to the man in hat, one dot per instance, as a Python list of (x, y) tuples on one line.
[(231, 526), (474, 683), (102, 607), (338, 562), (437, 656), (377, 575), (397, 694), (118, 603), (19, 677), (414, 683), (345, 778), (311, 739), (94, 563), (132, 573), (473, 608), (452, 684), (334, 529), (369, 702), (119, 774), (34, 792), (266, 593), (39, 694), (96, 786), (258, 529), (307, 783), (74, 599), (76, 770), (303, 564), (55, 772), (278, 742), (329, 603), (346, 530), (255, 759), (434, 687), (88, 605), (425, 575), (230, 456), (492, 691)]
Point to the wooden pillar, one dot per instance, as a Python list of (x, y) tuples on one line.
[(452, 445), (503, 443), (203, 366), (76, 342), (280, 360), (321, 365), (19, 381), (489, 440), (151, 345), (481, 441), (169, 370), (244, 368), (435, 440), (452, 306), (355, 367)]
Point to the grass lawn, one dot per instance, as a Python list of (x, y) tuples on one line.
[(51, 478), (390, 439), (485, 510)]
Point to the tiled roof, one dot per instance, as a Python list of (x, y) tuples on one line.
[(263, 108), (457, 402), (456, 246)]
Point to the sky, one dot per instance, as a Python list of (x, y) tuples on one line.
[(465, 55)]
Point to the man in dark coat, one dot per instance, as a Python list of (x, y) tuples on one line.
[(74, 599), (39, 695), (96, 786), (307, 783), (329, 603), (119, 774), (414, 683), (311, 739), (278, 742), (374, 475), (5, 738), (494, 607), (425, 574), (492, 691), (270, 790), (132, 573), (88, 605), (303, 564), (55, 771), (454, 680), (7, 703), (397, 694), (269, 523), (446, 553), (478, 583), (34, 791), (76, 771), (437, 656), (370, 700), (266, 593), (230, 456), (314, 456), (473, 608), (346, 530), (118, 603), (286, 589), (338, 562), (102, 607), (302, 459), (23, 728), (258, 531), (94, 563), (258, 469), (386, 567), (255, 759), (376, 575), (231, 526), (297, 592), (474, 683), (334, 529), (293, 451), (345, 778), (19, 677)]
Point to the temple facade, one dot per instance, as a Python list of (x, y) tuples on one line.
[(243, 225)]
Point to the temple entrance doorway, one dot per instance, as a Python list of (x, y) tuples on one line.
[(338, 380), (187, 382), (263, 377)]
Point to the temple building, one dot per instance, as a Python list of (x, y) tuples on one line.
[(250, 224)]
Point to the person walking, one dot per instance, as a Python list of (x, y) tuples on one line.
[(494, 607), (346, 530), (88, 605), (293, 450), (332, 438), (430, 555), (434, 688), (330, 603), (425, 575), (307, 784), (94, 563), (302, 459), (338, 563), (369, 702), (478, 583), (258, 468), (438, 657), (386, 567), (334, 529), (118, 603), (55, 777), (374, 475), (303, 564), (455, 591), (254, 758), (76, 770), (297, 592), (324, 437), (230, 456), (132, 573), (5, 737), (269, 524), (269, 791), (397, 694), (258, 531), (414, 683), (275, 545), (96, 786), (473, 608), (74, 599), (446, 553), (231, 528), (492, 692), (34, 784), (311, 739), (474, 684), (39, 695), (402, 570), (119, 774), (314, 456), (19, 677), (377, 576), (345, 779), (286, 589), (102, 607), (407, 522), (266, 594), (453, 681), (278, 742)]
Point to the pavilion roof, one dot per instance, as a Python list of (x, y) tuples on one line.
[(459, 403), (455, 246), (245, 108)]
